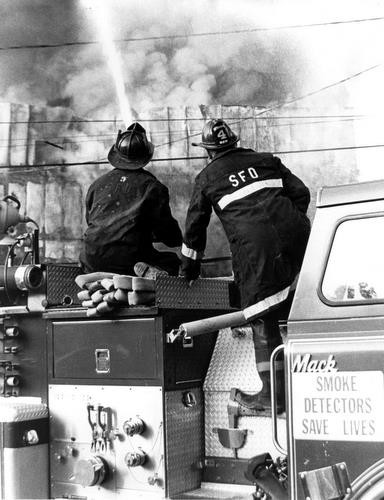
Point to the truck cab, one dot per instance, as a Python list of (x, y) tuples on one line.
[(334, 350)]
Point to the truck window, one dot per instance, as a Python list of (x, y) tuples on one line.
[(355, 267)]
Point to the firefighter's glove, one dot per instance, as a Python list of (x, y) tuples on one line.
[(190, 269)]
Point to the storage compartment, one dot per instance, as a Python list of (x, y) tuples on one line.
[(120, 349)]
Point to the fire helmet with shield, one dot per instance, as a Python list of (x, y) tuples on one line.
[(132, 149), (217, 135)]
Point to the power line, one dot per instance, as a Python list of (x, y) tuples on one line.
[(314, 92), (289, 101), (317, 150), (83, 139), (191, 35), (186, 119), (278, 105), (17, 168)]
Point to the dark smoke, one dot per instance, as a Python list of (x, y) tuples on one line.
[(229, 69)]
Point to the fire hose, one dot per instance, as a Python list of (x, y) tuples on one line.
[(234, 319), (213, 324)]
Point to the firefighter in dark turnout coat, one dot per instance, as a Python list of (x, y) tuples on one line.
[(262, 207), (127, 209)]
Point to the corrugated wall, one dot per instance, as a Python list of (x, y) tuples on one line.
[(54, 196)]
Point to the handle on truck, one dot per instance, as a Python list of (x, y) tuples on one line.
[(272, 369)]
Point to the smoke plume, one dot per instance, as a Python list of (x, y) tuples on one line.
[(252, 68), (225, 69)]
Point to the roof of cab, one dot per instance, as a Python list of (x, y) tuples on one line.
[(350, 193)]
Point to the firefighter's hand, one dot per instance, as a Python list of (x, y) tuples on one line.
[(190, 270)]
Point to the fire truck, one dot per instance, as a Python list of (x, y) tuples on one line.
[(139, 403)]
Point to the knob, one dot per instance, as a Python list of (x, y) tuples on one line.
[(90, 472), (189, 399), (12, 331), (153, 480), (135, 459), (12, 381), (134, 426), (31, 437)]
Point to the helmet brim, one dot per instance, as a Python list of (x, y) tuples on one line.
[(122, 162), (214, 146)]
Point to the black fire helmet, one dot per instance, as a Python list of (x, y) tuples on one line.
[(216, 135), (132, 149)]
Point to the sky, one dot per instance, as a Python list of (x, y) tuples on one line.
[(162, 67)]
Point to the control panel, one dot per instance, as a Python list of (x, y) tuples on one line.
[(23, 364), (105, 439), (10, 346)]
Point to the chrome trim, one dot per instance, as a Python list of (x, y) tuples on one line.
[(275, 436)]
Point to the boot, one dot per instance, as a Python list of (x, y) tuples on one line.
[(262, 400), (265, 394), (260, 403), (256, 403)]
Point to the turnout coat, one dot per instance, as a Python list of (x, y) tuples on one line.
[(126, 211), (262, 207)]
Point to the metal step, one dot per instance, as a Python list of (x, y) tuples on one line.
[(209, 491)]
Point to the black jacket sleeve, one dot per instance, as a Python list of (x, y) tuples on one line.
[(294, 188), (165, 227), (195, 237)]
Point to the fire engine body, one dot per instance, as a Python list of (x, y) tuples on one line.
[(127, 406)]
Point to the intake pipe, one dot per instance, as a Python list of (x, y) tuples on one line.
[(208, 325), (234, 319), (15, 281), (265, 474)]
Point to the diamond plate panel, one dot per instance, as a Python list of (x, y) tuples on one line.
[(259, 437), (175, 293), (61, 287), (233, 363), (184, 441)]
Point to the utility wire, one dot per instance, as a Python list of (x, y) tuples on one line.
[(314, 92), (280, 104), (18, 168), (191, 35), (83, 139), (186, 119), (286, 103), (317, 150)]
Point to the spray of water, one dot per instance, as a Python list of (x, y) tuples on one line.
[(100, 15)]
